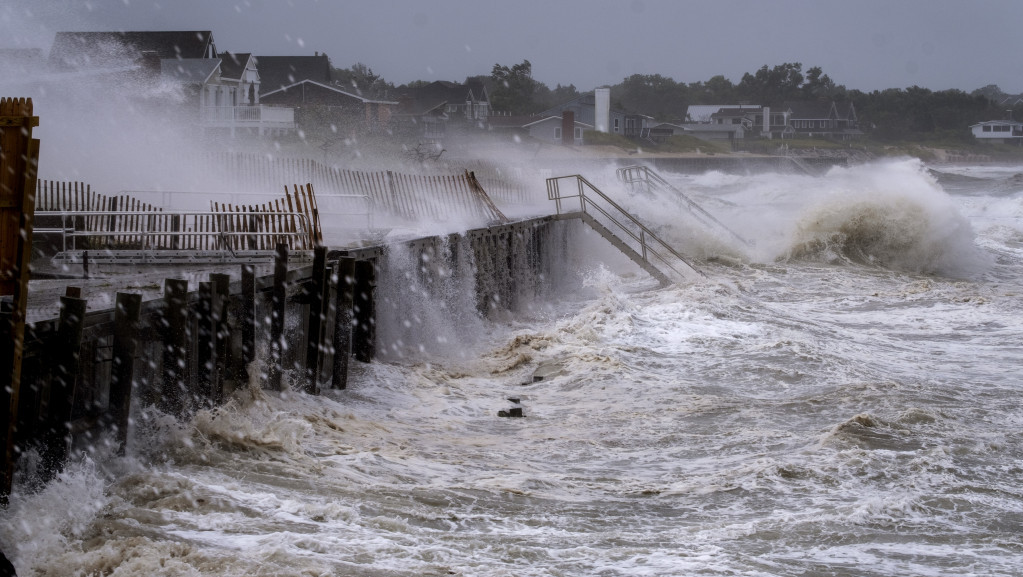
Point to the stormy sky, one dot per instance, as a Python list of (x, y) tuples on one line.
[(864, 44)]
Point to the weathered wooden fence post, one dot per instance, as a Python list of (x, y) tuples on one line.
[(278, 307), (175, 352), (343, 322), (67, 354), (122, 375), (19, 164), (316, 289), (364, 344), (176, 229)]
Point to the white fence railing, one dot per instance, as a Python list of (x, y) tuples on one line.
[(252, 116)]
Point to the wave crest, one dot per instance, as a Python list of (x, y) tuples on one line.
[(904, 223)]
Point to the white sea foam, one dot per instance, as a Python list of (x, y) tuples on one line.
[(784, 417)]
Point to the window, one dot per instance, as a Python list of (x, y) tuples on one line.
[(557, 133), (616, 124), (578, 133), (987, 129)]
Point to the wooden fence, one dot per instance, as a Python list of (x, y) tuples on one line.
[(255, 227), (124, 222), (245, 171)]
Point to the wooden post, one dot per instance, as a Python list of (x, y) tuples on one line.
[(176, 227), (343, 322), (122, 375), (248, 314), (66, 357), (19, 165), (221, 298), (252, 239), (109, 241), (206, 348), (316, 290), (175, 340), (364, 339), (278, 306)]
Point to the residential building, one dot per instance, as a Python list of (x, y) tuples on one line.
[(822, 119), (430, 110), (220, 91), (324, 104), (998, 132)]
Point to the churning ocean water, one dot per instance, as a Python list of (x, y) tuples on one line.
[(842, 399)]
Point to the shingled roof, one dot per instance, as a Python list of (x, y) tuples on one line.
[(276, 72), (94, 49), (233, 65)]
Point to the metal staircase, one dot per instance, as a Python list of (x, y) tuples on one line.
[(638, 174), (619, 227)]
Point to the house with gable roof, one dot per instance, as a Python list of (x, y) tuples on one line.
[(223, 88), (240, 69), (550, 129), (328, 104), (430, 110), (822, 119)]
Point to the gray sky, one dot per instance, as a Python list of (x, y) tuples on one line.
[(864, 44)]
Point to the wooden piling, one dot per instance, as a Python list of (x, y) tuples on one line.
[(248, 321), (66, 358), (364, 339), (278, 307), (343, 322), (206, 349), (175, 352), (316, 289), (122, 374), (222, 334)]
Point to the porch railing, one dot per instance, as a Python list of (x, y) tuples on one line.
[(268, 116)]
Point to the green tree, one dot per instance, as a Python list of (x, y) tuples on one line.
[(772, 85), (819, 86), (991, 92), (653, 95), (514, 89)]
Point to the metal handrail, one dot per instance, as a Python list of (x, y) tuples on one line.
[(654, 180), (370, 207), (648, 241), (147, 220)]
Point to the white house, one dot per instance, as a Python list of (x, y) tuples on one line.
[(998, 131)]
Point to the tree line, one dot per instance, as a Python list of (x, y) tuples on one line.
[(892, 114)]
